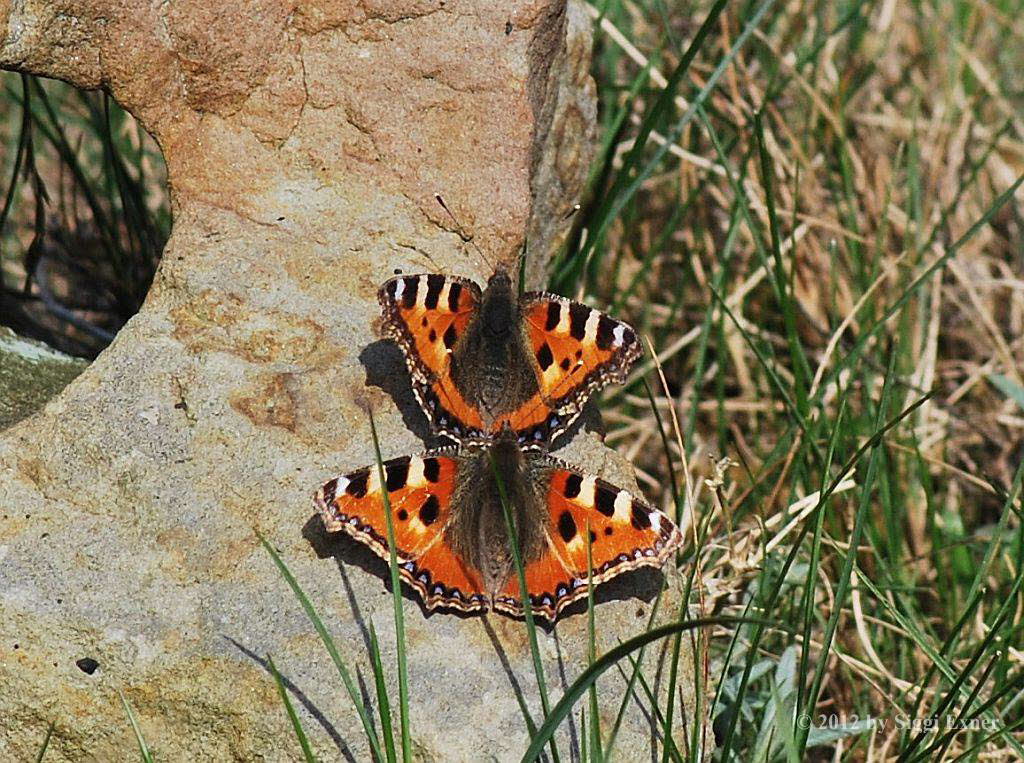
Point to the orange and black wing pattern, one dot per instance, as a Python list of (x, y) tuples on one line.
[(579, 350), (425, 315), (623, 533), (420, 492)]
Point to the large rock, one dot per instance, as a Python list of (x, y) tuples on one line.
[(305, 142)]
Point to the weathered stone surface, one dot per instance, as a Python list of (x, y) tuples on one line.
[(305, 142)]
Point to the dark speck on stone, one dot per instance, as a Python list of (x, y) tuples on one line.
[(87, 665)]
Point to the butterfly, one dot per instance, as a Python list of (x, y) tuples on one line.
[(484, 360), (451, 530)]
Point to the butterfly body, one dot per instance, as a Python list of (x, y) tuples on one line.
[(490, 362), (451, 531), (483, 360)]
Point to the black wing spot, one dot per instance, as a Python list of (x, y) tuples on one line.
[(544, 357), (435, 283), (566, 526), (641, 518), (605, 332), (454, 292), (409, 295), (564, 364), (424, 321), (431, 469), (356, 486), (397, 474), (450, 335), (578, 315), (604, 500), (554, 316), (593, 536), (432, 336), (608, 530), (430, 510), (403, 514), (572, 486)]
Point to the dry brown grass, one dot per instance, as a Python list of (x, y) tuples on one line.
[(886, 141)]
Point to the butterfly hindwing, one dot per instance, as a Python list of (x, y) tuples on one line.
[(420, 490), (623, 532)]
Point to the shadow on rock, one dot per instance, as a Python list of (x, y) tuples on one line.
[(386, 369), (296, 692)]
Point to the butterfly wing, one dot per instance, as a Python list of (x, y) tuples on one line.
[(420, 491), (578, 351), (624, 533), (425, 315)]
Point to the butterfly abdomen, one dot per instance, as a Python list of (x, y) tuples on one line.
[(479, 528)]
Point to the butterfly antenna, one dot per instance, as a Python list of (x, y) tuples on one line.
[(462, 233), (520, 267)]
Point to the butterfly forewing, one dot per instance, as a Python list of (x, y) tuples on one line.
[(578, 349), (426, 314)]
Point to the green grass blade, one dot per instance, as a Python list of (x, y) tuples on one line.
[(937, 749), (46, 743), (564, 706), (300, 733), (619, 200), (531, 626), (144, 753), (849, 562), (801, 369), (383, 701), (668, 742), (1008, 387), (673, 678), (918, 282), (332, 650), (396, 596)]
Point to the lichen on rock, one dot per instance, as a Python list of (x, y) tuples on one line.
[(30, 374)]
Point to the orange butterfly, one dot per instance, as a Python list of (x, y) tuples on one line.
[(451, 533), (484, 360)]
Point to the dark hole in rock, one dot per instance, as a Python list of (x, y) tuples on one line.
[(87, 665)]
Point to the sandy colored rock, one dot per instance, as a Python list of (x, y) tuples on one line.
[(305, 142)]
